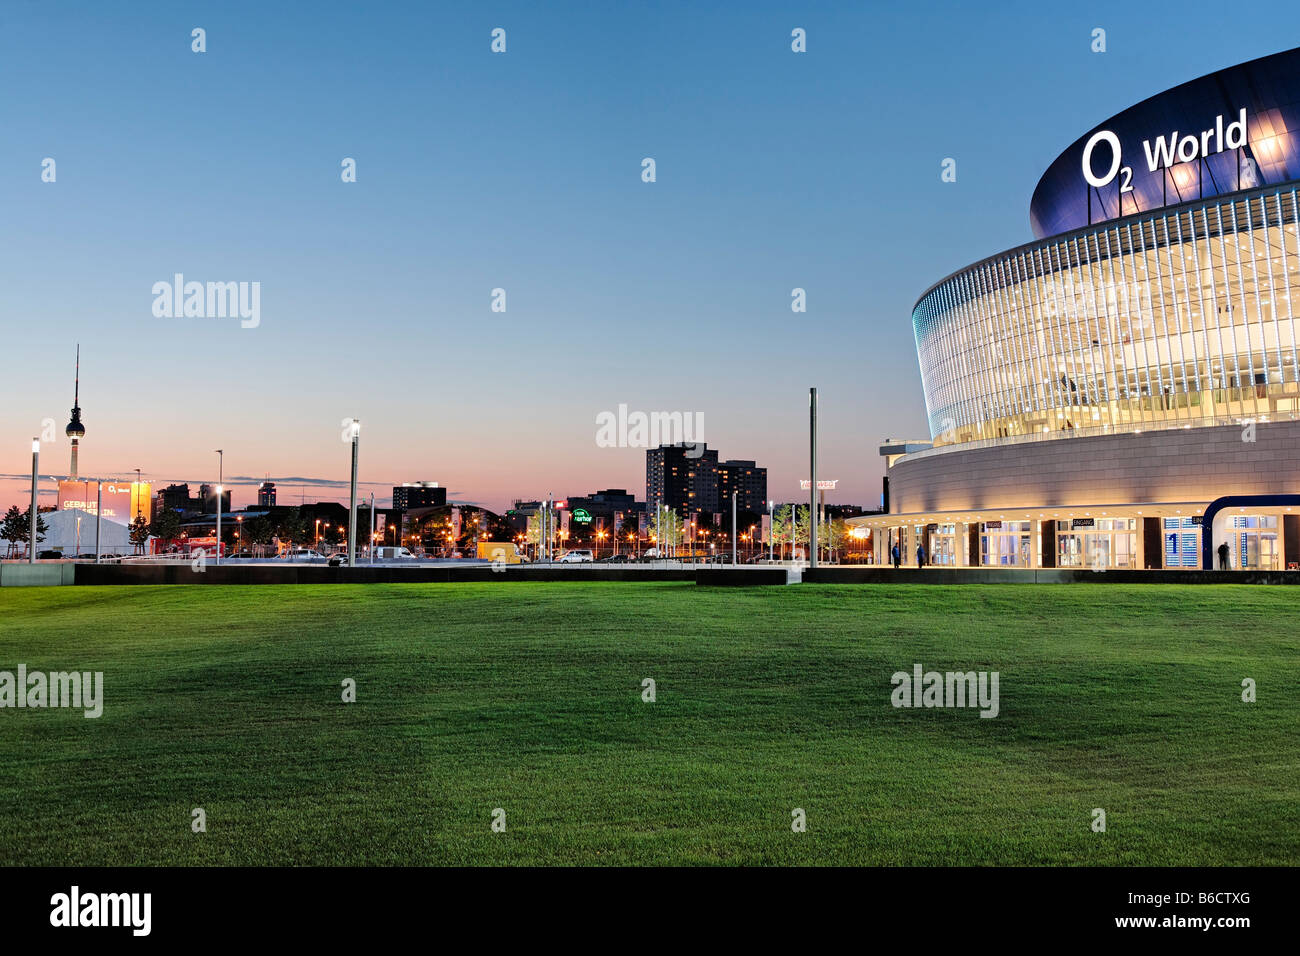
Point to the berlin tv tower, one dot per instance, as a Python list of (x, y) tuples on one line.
[(75, 429)]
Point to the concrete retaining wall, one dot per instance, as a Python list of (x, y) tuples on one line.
[(23, 575), (36, 575), (742, 577), (320, 574)]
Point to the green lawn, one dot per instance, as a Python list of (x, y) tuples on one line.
[(527, 697)]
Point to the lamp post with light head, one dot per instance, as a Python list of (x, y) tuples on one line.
[(220, 477), (34, 518)]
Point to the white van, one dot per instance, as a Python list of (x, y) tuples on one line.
[(393, 554), (303, 554)]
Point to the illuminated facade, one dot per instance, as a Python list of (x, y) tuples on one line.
[(1093, 393), (1179, 317)]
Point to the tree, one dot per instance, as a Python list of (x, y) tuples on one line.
[(291, 528), (431, 530), (258, 532), (17, 525), (831, 536), (473, 527), (498, 527), (12, 528), (534, 533), (666, 528), (166, 525), (139, 532), (781, 533)]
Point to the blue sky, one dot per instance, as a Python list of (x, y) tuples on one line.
[(521, 171)]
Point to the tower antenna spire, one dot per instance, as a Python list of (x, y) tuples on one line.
[(75, 429)]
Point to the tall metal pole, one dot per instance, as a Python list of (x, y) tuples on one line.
[(794, 528), (35, 519), (733, 529), (352, 496), (812, 494), (771, 528), (372, 527), (221, 458), (99, 507)]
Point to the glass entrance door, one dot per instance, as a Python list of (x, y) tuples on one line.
[(1255, 544)]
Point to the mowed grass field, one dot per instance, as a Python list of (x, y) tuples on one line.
[(528, 697)]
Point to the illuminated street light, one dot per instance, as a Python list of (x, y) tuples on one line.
[(221, 459), (32, 525)]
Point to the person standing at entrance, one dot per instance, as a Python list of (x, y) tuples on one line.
[(1223, 556), (895, 556), (920, 555)]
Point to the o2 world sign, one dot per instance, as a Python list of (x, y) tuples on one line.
[(1163, 151)]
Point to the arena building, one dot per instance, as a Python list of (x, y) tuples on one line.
[(1124, 391)]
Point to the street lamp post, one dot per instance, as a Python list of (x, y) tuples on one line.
[(32, 524), (812, 499), (771, 528), (220, 477), (352, 496), (733, 529)]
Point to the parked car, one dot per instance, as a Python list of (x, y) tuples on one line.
[(339, 560), (48, 555), (616, 559), (392, 553), (576, 556)]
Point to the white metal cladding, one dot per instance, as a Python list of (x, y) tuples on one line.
[(1180, 317)]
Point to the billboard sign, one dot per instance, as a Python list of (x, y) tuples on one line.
[(121, 500), (823, 484)]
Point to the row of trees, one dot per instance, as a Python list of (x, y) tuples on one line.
[(436, 531), (832, 535), (16, 529), (666, 528), (291, 529)]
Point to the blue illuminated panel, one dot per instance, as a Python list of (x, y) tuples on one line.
[(1268, 89)]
